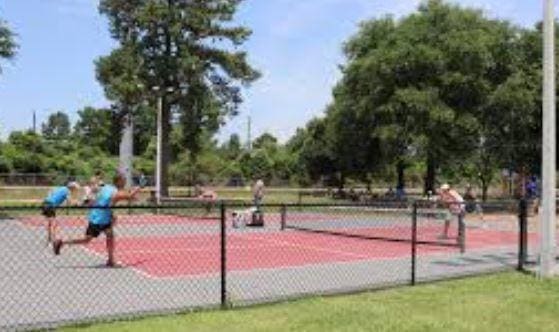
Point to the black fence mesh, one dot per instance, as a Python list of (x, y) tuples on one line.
[(178, 257)]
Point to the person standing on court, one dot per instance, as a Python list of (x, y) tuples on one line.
[(258, 193), (455, 205), (55, 198), (101, 218), (471, 203)]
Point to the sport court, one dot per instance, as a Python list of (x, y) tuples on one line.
[(173, 261)]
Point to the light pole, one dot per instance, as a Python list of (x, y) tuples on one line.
[(126, 149), (548, 217), (159, 158), (159, 153)]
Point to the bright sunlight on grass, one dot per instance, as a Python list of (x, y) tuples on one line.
[(504, 302)]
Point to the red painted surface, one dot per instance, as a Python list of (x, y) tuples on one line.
[(199, 254)]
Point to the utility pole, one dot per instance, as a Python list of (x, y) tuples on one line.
[(548, 216), (159, 156), (249, 134), (34, 122), (127, 148)]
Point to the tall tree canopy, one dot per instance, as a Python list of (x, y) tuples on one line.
[(424, 83), (189, 50), (57, 126), (7, 42)]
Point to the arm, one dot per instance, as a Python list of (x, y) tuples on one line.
[(125, 195)]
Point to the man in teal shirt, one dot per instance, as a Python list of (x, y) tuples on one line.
[(56, 197), (100, 217)]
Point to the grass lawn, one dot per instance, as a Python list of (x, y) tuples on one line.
[(503, 302), (16, 196)]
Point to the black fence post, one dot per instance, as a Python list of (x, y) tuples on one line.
[(523, 233), (223, 245), (414, 243), (461, 231)]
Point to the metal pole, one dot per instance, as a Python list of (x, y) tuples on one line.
[(414, 244), (523, 233), (548, 216), (249, 134), (223, 246), (127, 149), (159, 162)]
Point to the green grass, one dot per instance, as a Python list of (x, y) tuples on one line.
[(28, 195), (503, 302)]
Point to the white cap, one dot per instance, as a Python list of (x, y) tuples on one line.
[(73, 184), (445, 187)]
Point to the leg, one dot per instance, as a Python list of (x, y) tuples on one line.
[(479, 211), (461, 233), (49, 230), (110, 246), (52, 230), (447, 218), (91, 232), (58, 244)]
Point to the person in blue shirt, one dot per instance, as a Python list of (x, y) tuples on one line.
[(101, 218), (56, 197)]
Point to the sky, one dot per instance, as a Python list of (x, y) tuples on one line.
[(296, 45)]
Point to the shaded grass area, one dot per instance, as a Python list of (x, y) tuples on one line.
[(502, 302)]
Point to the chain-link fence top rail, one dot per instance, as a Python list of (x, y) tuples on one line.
[(203, 254)]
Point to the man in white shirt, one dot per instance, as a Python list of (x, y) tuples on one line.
[(455, 204)]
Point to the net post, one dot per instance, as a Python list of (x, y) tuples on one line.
[(414, 243), (223, 246), (523, 233), (283, 217), (461, 231)]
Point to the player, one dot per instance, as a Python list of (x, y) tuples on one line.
[(258, 193), (56, 197), (454, 203), (91, 189), (472, 205), (101, 219)]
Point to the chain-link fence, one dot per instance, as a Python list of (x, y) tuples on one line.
[(178, 258)]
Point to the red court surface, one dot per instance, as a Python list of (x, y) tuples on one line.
[(199, 254)]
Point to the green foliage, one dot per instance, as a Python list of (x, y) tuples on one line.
[(184, 49), (98, 128), (57, 126), (432, 87), (8, 44), (443, 92)]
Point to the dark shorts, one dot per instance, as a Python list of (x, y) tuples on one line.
[(48, 211), (95, 230)]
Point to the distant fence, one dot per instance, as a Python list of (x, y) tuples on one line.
[(179, 257)]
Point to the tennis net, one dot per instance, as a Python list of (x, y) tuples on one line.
[(391, 224)]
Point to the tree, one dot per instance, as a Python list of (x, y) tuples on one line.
[(422, 85), (232, 149), (24, 151), (57, 126), (265, 141), (8, 45), (98, 127), (180, 46), (316, 155)]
